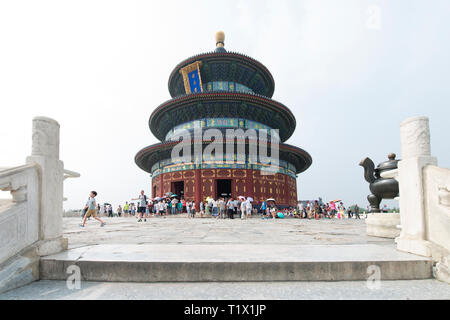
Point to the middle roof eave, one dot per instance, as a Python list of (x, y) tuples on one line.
[(190, 107)]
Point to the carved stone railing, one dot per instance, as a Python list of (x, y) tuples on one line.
[(436, 182), (424, 191), (31, 225), (19, 223)]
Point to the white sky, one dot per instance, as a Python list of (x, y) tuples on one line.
[(100, 68)]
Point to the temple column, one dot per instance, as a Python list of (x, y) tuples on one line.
[(249, 183), (198, 189), (161, 185)]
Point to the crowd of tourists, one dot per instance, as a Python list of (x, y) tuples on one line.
[(224, 208)]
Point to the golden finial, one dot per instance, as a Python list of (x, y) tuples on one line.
[(220, 38)]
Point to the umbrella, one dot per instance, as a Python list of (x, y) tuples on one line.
[(271, 199), (335, 200), (250, 199), (157, 198), (241, 197), (169, 193), (174, 196)]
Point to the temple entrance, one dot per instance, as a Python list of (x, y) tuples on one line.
[(178, 188), (223, 188)]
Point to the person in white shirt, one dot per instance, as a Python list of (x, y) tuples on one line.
[(248, 208), (244, 209), (222, 208), (160, 208)]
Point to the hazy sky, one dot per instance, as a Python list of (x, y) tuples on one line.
[(350, 71)]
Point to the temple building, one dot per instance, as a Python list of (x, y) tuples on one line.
[(223, 90)]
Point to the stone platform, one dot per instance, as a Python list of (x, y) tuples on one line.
[(234, 262), (180, 230)]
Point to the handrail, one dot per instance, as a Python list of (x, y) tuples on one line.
[(70, 174), (7, 173)]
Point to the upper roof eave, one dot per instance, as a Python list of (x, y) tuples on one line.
[(221, 54)]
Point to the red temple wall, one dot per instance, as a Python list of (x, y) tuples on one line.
[(201, 183)]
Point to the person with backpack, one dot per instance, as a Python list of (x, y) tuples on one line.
[(142, 206)]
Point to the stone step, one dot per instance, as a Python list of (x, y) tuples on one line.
[(246, 262)]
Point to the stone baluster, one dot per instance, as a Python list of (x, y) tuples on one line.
[(45, 153), (416, 154)]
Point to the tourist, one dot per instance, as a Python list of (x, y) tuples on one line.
[(142, 206), (235, 206), (341, 210), (263, 207), (202, 209), (126, 209), (119, 210), (300, 206), (230, 208), (188, 208), (245, 208), (193, 209), (309, 210), (316, 210), (222, 208), (169, 206), (184, 205), (248, 207), (91, 210), (179, 206), (110, 211), (174, 205), (160, 207), (356, 208), (215, 208), (150, 208), (333, 209), (273, 211)]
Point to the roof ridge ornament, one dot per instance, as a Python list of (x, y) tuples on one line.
[(220, 41)]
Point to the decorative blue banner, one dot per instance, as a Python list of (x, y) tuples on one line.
[(194, 81)]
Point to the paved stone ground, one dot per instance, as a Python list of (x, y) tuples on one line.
[(179, 229), (342, 290)]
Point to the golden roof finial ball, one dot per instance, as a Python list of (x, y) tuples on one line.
[(220, 38)]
